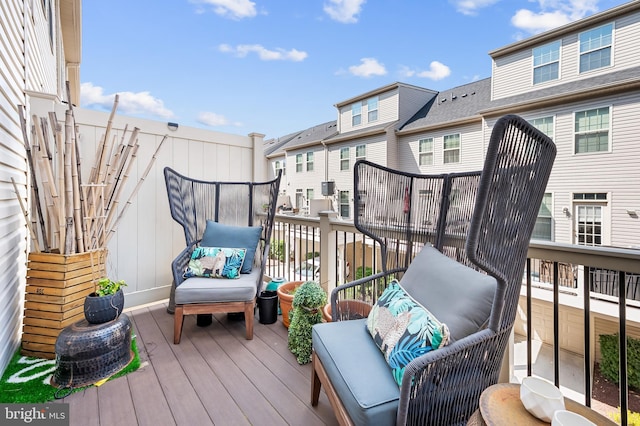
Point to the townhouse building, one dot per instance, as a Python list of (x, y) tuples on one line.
[(579, 83)]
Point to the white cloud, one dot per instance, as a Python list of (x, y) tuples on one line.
[(552, 14), (234, 9), (344, 11), (212, 119), (367, 68), (437, 71), (263, 53), (470, 7), (140, 103)]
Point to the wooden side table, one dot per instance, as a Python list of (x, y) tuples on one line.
[(500, 405)]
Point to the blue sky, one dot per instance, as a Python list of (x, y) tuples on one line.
[(278, 66)]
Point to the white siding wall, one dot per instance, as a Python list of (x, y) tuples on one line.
[(376, 152), (472, 149), (387, 112), (615, 172), (513, 73), (305, 180), (41, 61), (13, 242)]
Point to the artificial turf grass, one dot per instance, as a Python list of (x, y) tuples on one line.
[(36, 391)]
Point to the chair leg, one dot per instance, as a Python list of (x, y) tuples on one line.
[(315, 382), (249, 317), (178, 320)]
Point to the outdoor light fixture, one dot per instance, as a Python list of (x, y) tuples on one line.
[(566, 212), (172, 126)]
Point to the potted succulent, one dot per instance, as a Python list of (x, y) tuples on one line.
[(106, 302), (307, 305)]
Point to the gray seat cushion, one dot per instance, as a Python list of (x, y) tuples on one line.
[(455, 294), (358, 371), (206, 290)]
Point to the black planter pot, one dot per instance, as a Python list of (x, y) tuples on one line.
[(101, 309)]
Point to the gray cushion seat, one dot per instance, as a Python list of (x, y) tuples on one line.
[(208, 290), (457, 295)]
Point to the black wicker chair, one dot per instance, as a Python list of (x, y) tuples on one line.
[(452, 240), (246, 204)]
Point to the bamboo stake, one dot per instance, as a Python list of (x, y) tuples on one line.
[(112, 229), (48, 182), (101, 170), (34, 183), (113, 208), (34, 237), (68, 246), (77, 213), (59, 150), (124, 160)]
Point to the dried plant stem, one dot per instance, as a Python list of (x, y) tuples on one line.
[(34, 236)]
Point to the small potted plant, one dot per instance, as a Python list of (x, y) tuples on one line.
[(308, 301), (106, 302)]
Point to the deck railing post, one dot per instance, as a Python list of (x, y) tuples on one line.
[(328, 246)]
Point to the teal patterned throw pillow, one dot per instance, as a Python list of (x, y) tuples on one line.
[(403, 329), (215, 262)]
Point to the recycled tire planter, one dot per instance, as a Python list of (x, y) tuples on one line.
[(101, 309), (87, 353), (285, 295)]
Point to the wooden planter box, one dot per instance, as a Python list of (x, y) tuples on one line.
[(56, 287)]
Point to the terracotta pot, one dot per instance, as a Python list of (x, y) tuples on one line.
[(356, 308), (285, 295)]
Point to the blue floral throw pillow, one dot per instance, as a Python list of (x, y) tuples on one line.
[(215, 262), (403, 329)]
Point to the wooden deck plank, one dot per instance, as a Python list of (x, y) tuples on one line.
[(115, 403), (83, 408), (151, 407), (214, 376), (181, 398), (271, 348), (255, 406), (221, 407)]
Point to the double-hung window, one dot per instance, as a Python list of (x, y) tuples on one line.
[(344, 158), (425, 151), (544, 222), (546, 62), (591, 130), (280, 166), (372, 109), (452, 148), (309, 196), (595, 48), (309, 161), (345, 211), (356, 114), (544, 124), (361, 152), (298, 163)]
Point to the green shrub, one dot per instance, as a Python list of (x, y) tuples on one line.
[(609, 365), (363, 272), (633, 419), (276, 250), (313, 254)]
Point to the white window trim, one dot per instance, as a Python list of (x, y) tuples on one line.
[(610, 140), (299, 163), (307, 162), (364, 157), (348, 159), (427, 152), (356, 115), (552, 208), (559, 61), (459, 148), (613, 37), (553, 127), (377, 109)]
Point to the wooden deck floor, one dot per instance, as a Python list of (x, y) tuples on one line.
[(214, 376)]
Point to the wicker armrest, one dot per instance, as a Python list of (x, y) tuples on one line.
[(353, 300), (180, 263)]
